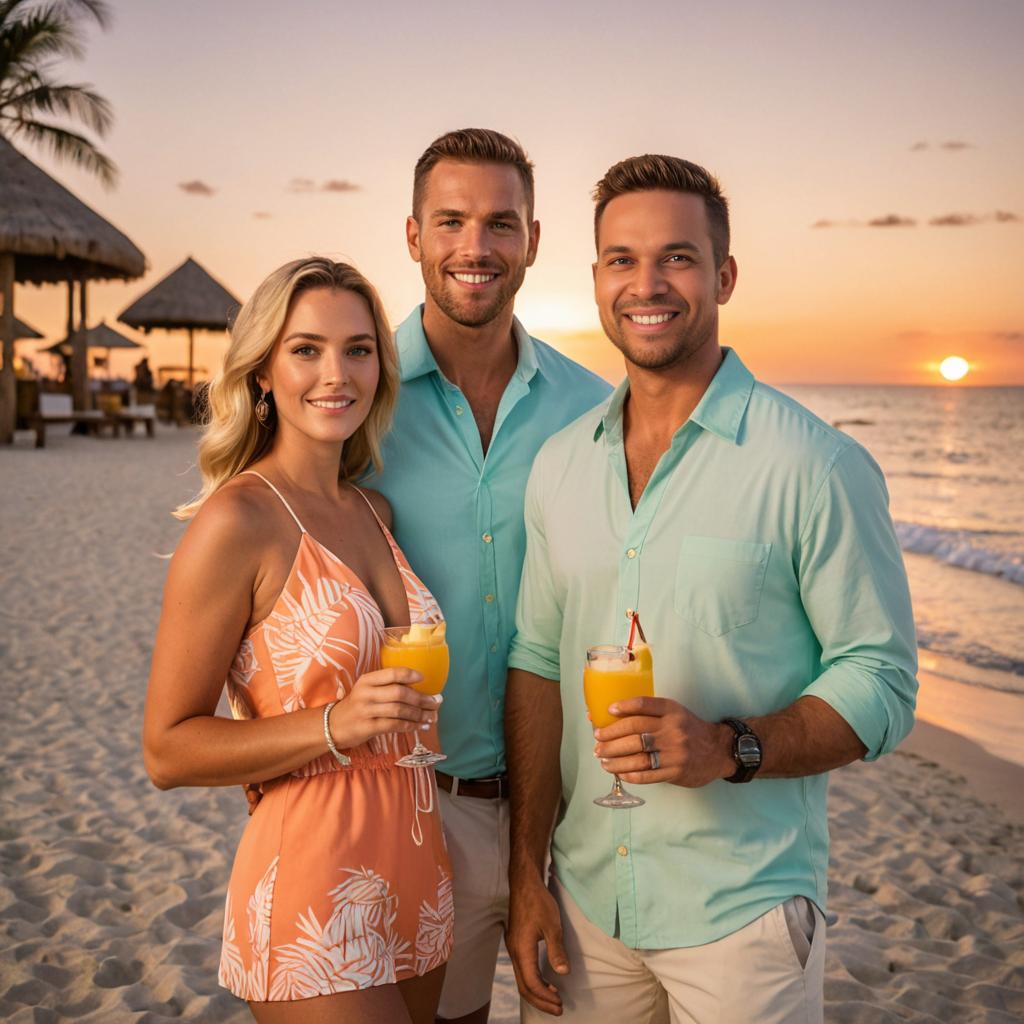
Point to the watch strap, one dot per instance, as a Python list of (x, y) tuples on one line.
[(743, 773)]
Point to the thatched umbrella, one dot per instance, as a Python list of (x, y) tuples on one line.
[(188, 299), (23, 332), (47, 235), (100, 336)]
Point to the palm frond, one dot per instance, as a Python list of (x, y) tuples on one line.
[(65, 145), (35, 37), (78, 102), (98, 10)]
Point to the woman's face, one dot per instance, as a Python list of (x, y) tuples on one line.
[(324, 368)]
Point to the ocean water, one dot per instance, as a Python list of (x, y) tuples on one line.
[(954, 462)]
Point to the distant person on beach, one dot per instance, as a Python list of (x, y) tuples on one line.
[(755, 543), (479, 396), (143, 376), (339, 905)]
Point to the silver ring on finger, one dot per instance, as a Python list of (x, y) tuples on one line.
[(655, 760), (646, 742)]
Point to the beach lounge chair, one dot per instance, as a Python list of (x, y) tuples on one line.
[(57, 408)]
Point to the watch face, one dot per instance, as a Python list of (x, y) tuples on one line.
[(748, 751)]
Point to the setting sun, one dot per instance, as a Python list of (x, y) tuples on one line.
[(954, 367)]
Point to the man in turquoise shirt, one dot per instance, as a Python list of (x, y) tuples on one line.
[(756, 545), (478, 398)]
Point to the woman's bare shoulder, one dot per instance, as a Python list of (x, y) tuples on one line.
[(380, 504), (236, 522)]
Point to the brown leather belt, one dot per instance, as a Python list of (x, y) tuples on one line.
[(483, 789)]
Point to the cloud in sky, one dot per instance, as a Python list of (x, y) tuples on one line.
[(262, 215), (1015, 336), (196, 188), (950, 145), (892, 220), (946, 220), (956, 220), (333, 185)]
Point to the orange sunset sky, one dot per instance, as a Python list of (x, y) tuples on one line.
[(249, 133)]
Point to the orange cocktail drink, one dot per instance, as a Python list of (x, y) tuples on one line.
[(612, 675), (421, 647)]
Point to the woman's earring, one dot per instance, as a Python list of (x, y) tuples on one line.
[(262, 408)]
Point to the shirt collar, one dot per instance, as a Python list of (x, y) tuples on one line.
[(416, 359), (720, 410)]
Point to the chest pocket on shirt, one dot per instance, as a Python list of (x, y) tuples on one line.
[(719, 582)]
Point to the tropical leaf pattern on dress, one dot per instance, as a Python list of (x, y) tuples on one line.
[(243, 668), (436, 927), (298, 635), (251, 984), (356, 948)]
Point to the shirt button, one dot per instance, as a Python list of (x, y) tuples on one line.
[(487, 538), (489, 598), (459, 410), (631, 553), (494, 648), (622, 851)]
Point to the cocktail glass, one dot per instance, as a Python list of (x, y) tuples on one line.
[(423, 648), (614, 672)]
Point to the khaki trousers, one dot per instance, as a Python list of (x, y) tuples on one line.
[(769, 972), (476, 832)]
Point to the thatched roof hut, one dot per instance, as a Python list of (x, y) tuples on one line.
[(188, 299), (53, 235), (23, 331), (48, 235), (100, 336)]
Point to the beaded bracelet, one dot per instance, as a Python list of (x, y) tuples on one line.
[(343, 759)]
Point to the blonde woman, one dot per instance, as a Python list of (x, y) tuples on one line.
[(339, 906)]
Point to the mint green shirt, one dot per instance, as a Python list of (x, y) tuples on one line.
[(762, 560), (458, 516)]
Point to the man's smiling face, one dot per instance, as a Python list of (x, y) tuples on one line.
[(655, 280), (473, 239)]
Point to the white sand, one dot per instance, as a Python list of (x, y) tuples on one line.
[(110, 908)]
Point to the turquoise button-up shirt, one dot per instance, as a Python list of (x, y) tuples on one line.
[(763, 562), (459, 517)]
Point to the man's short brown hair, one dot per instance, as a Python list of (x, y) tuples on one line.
[(474, 146), (650, 172)]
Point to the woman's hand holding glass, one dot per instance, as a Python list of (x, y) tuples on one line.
[(381, 702)]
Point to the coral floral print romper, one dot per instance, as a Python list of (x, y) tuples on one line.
[(341, 880)]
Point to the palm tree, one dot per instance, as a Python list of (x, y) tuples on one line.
[(33, 36)]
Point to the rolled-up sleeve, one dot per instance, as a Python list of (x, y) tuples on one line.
[(853, 585), (535, 645)]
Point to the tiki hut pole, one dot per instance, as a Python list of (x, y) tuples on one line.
[(8, 385)]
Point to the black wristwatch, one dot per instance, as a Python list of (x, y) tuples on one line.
[(746, 751)]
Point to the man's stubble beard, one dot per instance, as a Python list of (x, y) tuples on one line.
[(684, 343), (438, 286)]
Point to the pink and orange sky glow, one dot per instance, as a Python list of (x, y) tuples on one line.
[(873, 156)]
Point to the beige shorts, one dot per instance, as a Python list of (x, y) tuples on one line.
[(770, 972), (477, 834)]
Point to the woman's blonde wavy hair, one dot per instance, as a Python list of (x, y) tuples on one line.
[(234, 438)]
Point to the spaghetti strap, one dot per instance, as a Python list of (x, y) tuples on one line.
[(252, 472), (380, 522)]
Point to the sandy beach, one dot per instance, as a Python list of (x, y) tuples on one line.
[(112, 895)]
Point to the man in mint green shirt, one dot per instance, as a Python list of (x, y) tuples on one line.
[(756, 545), (478, 397)]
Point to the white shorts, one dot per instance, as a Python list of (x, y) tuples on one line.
[(477, 834), (771, 971)]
